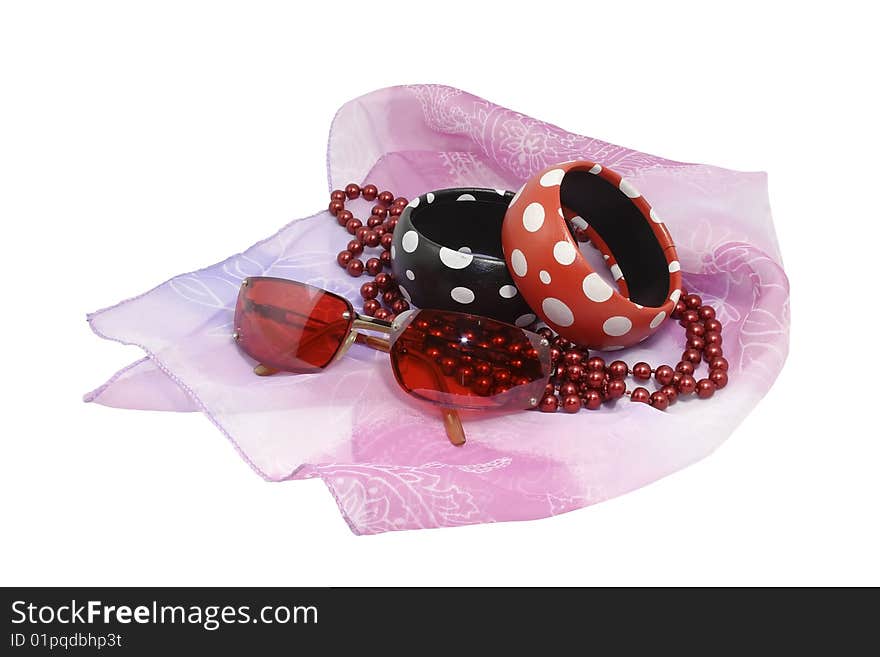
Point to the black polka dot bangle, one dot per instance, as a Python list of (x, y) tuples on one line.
[(446, 254)]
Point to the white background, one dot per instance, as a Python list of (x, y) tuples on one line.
[(141, 140)]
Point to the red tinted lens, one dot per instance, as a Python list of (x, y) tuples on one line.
[(290, 326), (466, 361)]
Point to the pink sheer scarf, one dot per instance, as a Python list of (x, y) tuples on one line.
[(385, 459)]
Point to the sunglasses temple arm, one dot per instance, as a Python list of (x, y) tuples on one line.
[(451, 418), (454, 428), (373, 342)]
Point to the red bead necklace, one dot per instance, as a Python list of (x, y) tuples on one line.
[(579, 381), (376, 234)]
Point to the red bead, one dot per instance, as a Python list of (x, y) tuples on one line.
[(573, 358), (355, 267), (385, 240), (575, 372), (343, 258), (400, 306), (596, 364), (659, 401), (664, 375), (392, 224), (483, 368), (374, 266), (355, 247), (679, 309), (385, 257), (555, 354), (696, 330), (401, 202), (640, 395), (676, 378), (568, 388), (712, 351), (379, 211), (389, 297), (371, 306), (335, 207), (685, 367), (562, 343), (384, 281), (482, 385), (712, 325), (361, 233), (370, 192), (374, 221), (386, 198), (352, 191), (706, 312), (693, 301), (615, 389), (371, 238), (719, 363), (705, 388), (548, 404), (713, 337), (382, 314), (343, 217), (687, 385), (641, 371), (671, 393), (369, 290), (465, 375), (618, 369), (692, 355), (595, 379), (337, 195), (696, 343), (592, 400), (688, 317), (718, 377), (448, 365), (571, 404), (395, 211), (353, 225)]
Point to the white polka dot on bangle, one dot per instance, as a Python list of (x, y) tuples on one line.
[(533, 217), (462, 294)]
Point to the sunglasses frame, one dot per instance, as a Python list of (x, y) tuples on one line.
[(358, 323)]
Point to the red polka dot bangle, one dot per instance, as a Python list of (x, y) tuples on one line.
[(541, 228), (579, 379)]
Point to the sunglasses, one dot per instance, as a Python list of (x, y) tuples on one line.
[(448, 359)]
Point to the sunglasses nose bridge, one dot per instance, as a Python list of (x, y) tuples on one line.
[(368, 323)]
